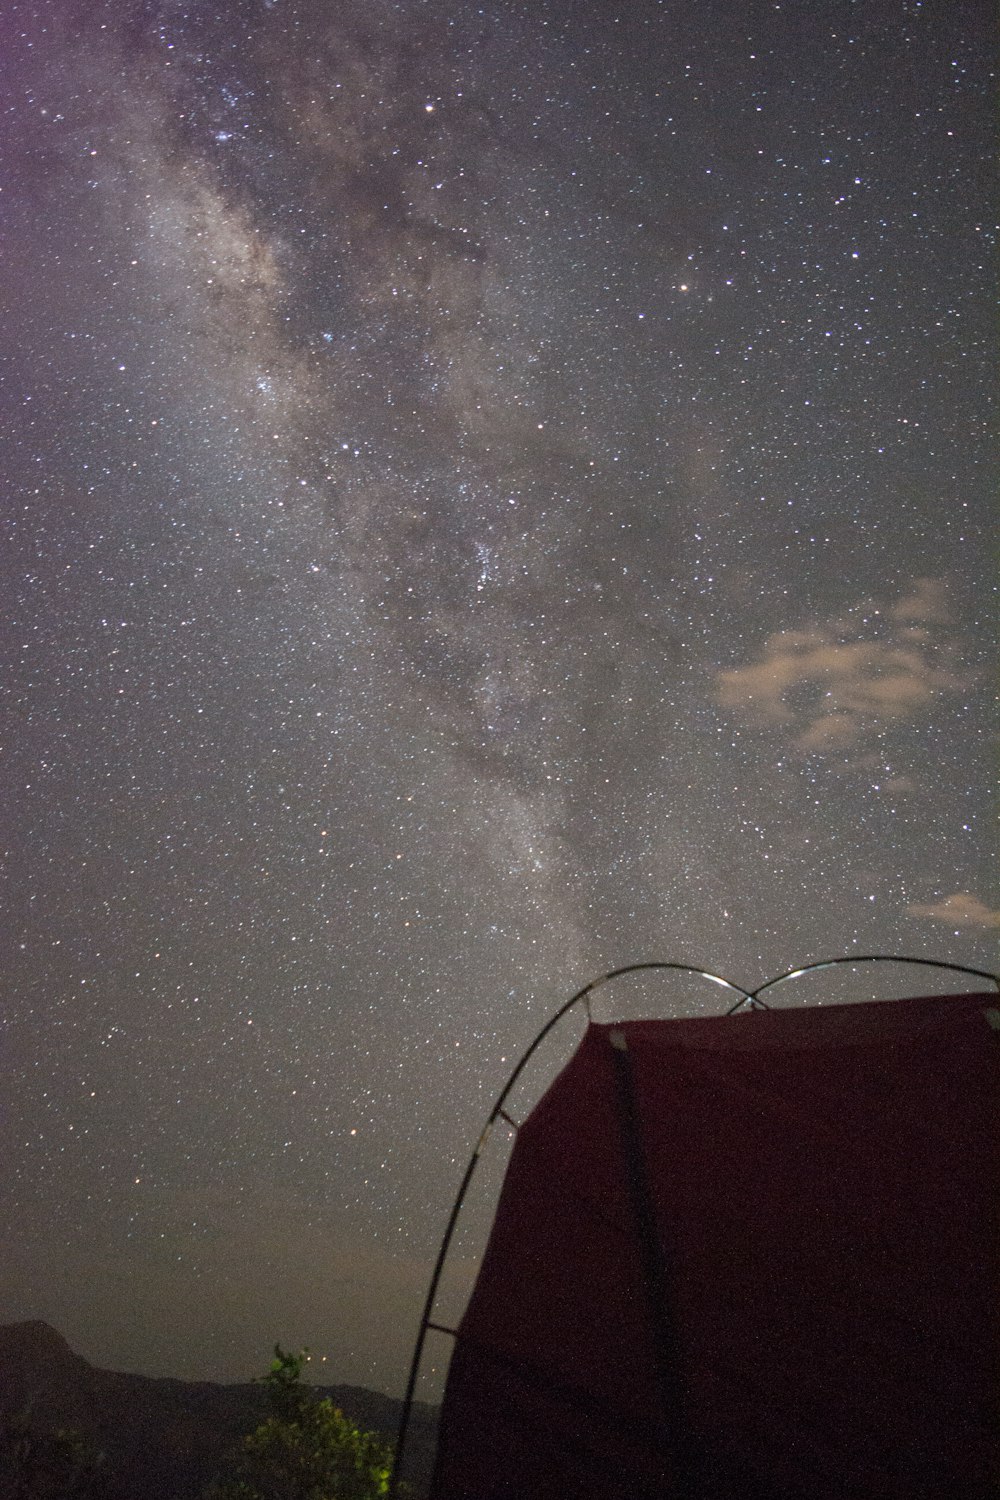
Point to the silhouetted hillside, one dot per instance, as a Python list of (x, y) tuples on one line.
[(163, 1439)]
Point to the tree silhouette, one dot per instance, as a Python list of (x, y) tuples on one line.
[(306, 1449), (63, 1465)]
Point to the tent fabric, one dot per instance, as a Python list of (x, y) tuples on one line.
[(750, 1256)]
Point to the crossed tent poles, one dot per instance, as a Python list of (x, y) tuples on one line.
[(744, 997)]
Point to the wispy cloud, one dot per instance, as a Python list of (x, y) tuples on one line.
[(962, 909), (927, 603), (834, 682)]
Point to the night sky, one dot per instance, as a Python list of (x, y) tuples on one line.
[(492, 493)]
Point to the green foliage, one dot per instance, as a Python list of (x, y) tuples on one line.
[(306, 1449)]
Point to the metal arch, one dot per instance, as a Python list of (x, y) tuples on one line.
[(871, 958), (747, 997), (425, 1320)]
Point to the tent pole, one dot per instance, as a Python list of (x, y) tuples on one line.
[(677, 1439), (581, 995)]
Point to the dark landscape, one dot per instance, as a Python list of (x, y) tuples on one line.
[(161, 1439)]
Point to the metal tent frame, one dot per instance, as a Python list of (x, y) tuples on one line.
[(750, 998)]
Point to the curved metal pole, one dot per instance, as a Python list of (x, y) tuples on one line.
[(584, 994), (751, 997), (872, 958)]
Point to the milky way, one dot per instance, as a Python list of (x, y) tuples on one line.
[(492, 494)]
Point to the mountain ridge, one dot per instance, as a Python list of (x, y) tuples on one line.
[(164, 1438)]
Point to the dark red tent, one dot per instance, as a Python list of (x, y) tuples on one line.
[(746, 1256)]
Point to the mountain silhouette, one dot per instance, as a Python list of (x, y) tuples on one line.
[(163, 1439)]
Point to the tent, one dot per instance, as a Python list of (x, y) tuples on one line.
[(745, 1256)]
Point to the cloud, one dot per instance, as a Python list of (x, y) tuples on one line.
[(901, 784), (959, 910), (834, 683), (927, 603)]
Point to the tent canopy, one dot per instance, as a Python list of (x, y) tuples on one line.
[(747, 1256)]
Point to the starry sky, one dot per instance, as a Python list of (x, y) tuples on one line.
[(492, 493)]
